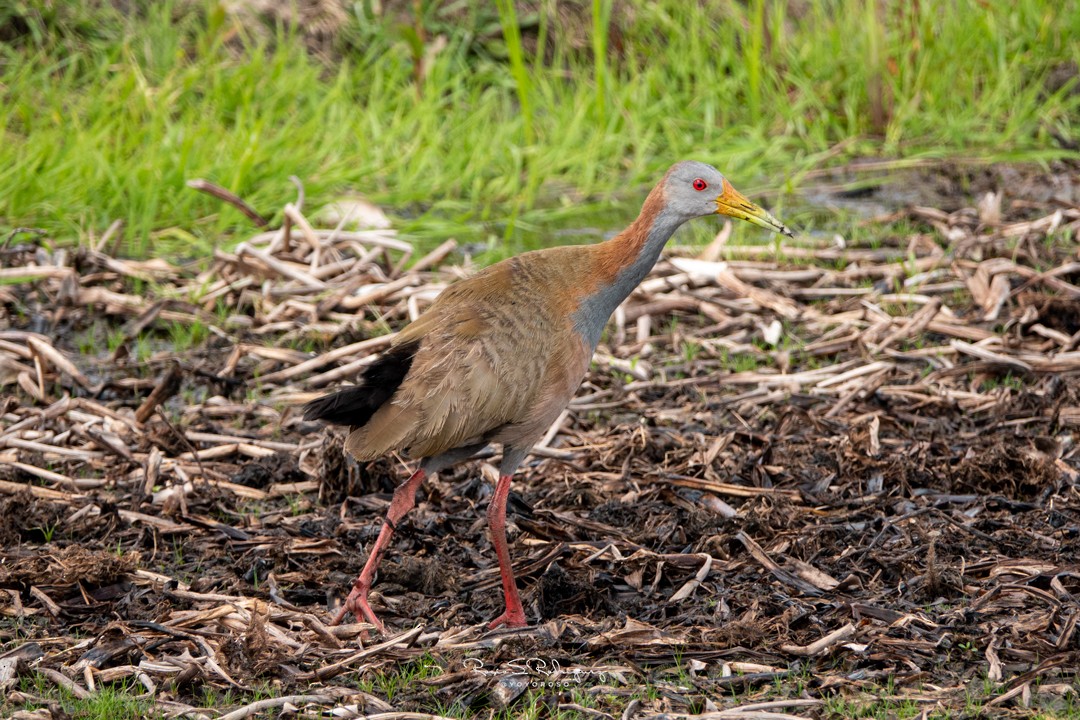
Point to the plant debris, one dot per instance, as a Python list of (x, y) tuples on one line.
[(841, 466)]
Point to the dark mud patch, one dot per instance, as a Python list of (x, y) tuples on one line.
[(26, 519), (278, 468), (570, 593), (426, 576), (1023, 473), (340, 476), (1058, 313)]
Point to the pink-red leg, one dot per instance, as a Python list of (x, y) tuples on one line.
[(496, 513), (357, 602)]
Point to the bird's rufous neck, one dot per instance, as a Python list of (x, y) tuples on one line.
[(622, 251), (622, 262)]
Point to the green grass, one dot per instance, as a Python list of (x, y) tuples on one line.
[(878, 708), (111, 702), (105, 115), (121, 701), (743, 362), (187, 335)]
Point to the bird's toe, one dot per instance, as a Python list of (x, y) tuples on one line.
[(509, 619)]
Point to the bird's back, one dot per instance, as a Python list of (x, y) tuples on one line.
[(495, 359)]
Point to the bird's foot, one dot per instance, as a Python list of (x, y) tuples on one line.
[(357, 604), (511, 618)]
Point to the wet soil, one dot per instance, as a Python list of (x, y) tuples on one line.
[(699, 529)]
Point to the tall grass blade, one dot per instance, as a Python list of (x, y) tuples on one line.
[(753, 57), (601, 18), (512, 35), (875, 69)]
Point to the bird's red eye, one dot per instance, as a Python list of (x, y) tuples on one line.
[(699, 184)]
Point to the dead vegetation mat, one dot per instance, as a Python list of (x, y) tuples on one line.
[(795, 477)]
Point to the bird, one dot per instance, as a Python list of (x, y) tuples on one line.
[(497, 357)]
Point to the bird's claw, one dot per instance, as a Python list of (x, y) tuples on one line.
[(357, 605), (511, 619)]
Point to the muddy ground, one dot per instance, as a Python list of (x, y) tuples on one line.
[(843, 480)]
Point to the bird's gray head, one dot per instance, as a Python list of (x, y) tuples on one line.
[(692, 189)]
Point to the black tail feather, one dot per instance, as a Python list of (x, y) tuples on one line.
[(377, 383)]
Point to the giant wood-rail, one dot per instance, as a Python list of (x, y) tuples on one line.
[(497, 357)]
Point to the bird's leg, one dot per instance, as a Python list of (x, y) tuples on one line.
[(357, 602), (496, 513)]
